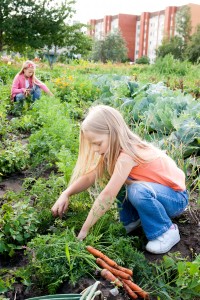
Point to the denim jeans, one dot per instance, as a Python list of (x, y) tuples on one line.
[(155, 205), (35, 94)]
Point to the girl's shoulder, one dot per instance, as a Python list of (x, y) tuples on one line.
[(125, 157), (19, 75)]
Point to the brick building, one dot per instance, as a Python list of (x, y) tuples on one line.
[(143, 33)]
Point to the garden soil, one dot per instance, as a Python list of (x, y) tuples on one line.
[(189, 246)]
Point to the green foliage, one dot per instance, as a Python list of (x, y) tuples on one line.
[(112, 48), (143, 60), (179, 276), (168, 65), (18, 224), (45, 143), (78, 92), (112, 88), (173, 46), (13, 158), (193, 47), (9, 279), (41, 194), (168, 118), (59, 257), (6, 73), (38, 23), (176, 45), (183, 23), (50, 264)]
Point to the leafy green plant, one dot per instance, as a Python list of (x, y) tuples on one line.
[(50, 264), (6, 73), (143, 60), (13, 158), (18, 223), (183, 276), (9, 279), (45, 143), (168, 65)]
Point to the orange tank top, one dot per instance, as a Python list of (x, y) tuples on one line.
[(162, 170)]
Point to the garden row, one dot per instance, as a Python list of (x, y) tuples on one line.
[(41, 141)]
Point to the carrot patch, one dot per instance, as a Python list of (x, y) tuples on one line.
[(134, 287), (106, 274), (114, 271)]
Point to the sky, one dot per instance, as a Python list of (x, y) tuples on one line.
[(97, 9)]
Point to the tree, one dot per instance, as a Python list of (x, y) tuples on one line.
[(177, 44), (193, 47), (112, 48), (183, 23), (173, 46), (77, 39), (115, 47), (33, 23), (97, 53)]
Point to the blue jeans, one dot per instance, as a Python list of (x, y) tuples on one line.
[(155, 205), (35, 94)]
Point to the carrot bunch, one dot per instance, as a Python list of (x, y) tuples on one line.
[(120, 276)]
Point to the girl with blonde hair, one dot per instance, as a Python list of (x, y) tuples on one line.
[(156, 190), (25, 83)]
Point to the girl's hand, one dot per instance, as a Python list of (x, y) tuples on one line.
[(60, 206), (82, 235), (27, 92), (51, 94)]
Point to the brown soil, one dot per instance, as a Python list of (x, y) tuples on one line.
[(189, 246)]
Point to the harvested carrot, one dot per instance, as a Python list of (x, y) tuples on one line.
[(125, 270), (98, 253), (109, 261), (114, 271), (106, 274), (129, 291), (134, 287)]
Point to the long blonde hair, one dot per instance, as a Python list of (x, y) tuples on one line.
[(103, 119), (28, 64)]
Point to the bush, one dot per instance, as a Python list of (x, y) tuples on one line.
[(143, 60)]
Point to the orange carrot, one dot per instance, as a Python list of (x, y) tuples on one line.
[(98, 253), (109, 261), (129, 291), (125, 270), (106, 274), (135, 288), (114, 271)]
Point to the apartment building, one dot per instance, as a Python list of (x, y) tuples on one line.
[(143, 33)]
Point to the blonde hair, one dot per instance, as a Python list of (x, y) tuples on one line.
[(102, 119), (28, 64)]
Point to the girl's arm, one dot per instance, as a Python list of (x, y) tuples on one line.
[(43, 86), (106, 198), (16, 89), (81, 184)]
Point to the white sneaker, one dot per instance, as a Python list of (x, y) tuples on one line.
[(165, 242), (132, 226)]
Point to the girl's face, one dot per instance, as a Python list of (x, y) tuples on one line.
[(99, 142), (28, 72)]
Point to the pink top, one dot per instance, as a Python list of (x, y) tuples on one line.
[(19, 85), (162, 170)]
